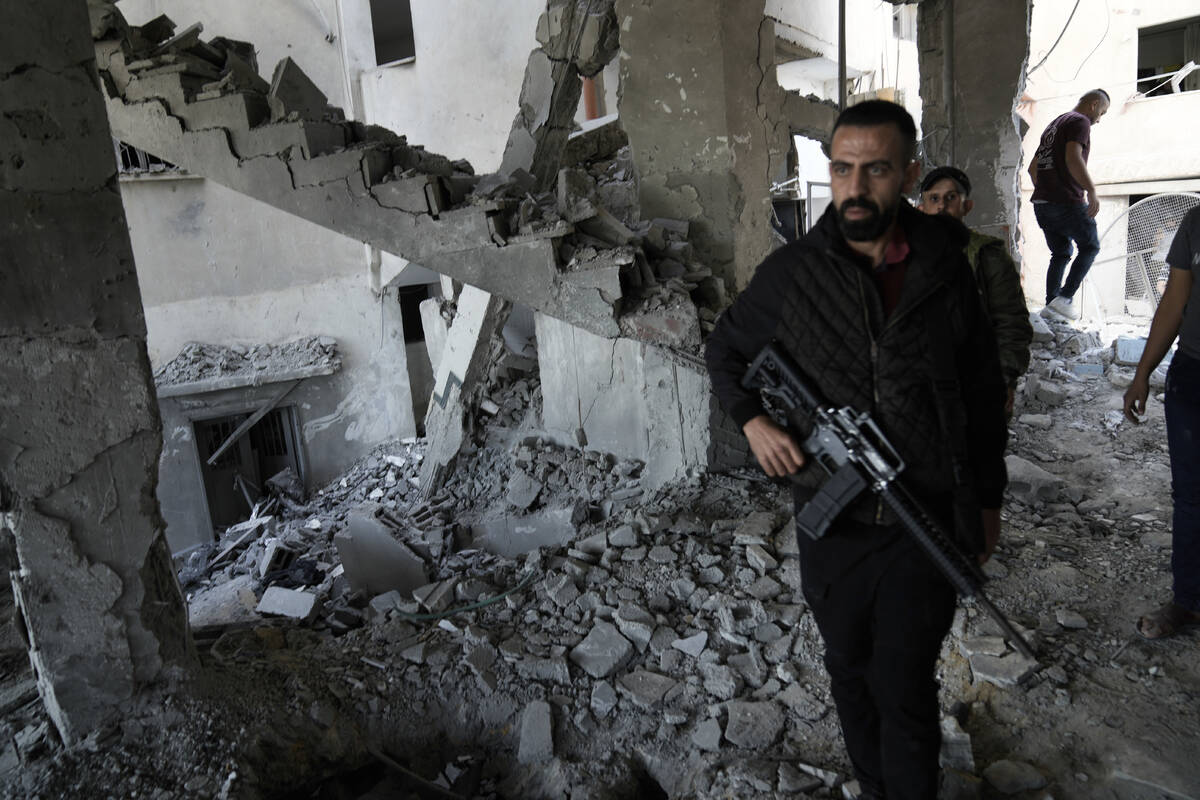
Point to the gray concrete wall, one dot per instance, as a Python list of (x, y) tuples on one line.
[(79, 433), (628, 398), (701, 106), (970, 86)]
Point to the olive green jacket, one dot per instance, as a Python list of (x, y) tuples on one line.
[(999, 285)]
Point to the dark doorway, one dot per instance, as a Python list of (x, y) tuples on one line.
[(235, 481)]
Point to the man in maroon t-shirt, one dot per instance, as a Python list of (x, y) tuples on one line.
[(1064, 200)]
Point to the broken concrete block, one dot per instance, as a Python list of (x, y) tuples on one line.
[(562, 590), (435, 597), (293, 603), (720, 681), (276, 555), (512, 536), (707, 735), (603, 651), (692, 645), (760, 559), (1127, 351), (374, 561), (224, 603), (802, 703), (636, 624), (645, 689), (753, 725), (523, 490), (956, 747), (575, 191), (1029, 483), (1008, 670), (294, 92), (604, 698), (537, 734)]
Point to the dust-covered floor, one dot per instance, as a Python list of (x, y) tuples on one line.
[(664, 650)]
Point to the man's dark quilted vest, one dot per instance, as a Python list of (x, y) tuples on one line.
[(833, 325)]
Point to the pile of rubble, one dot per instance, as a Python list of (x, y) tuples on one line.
[(546, 627), (198, 362)]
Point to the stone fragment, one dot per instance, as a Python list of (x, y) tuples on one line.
[(1029, 483), (1040, 421), (1041, 330), (645, 689), (523, 490), (802, 703), (956, 747), (755, 529), (720, 681), (661, 554), (562, 590), (753, 725), (793, 782), (603, 651), (1008, 670), (707, 735), (604, 698), (293, 603), (552, 669), (1010, 777), (1070, 619), (693, 645), (760, 559), (624, 536), (435, 597), (593, 545), (767, 632), (1049, 392), (785, 539), (293, 92), (765, 588), (984, 645), (537, 734), (711, 575), (636, 624), (373, 560), (664, 636)]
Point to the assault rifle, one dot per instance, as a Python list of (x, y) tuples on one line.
[(858, 457)]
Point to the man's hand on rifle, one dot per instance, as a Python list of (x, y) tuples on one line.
[(774, 447), (991, 533)]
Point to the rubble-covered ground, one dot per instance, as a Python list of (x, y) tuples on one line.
[(656, 645)]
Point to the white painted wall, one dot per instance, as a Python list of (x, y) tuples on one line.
[(458, 97), (1140, 139)]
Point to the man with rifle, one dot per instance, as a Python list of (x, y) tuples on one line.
[(877, 308)]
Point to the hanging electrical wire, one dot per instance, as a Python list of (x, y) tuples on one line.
[(1092, 52), (1056, 41)]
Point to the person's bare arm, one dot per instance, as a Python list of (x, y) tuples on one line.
[(1079, 171), (1163, 330)]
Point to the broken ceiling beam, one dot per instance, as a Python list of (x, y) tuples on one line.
[(458, 382)]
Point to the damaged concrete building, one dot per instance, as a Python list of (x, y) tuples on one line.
[(358, 315)]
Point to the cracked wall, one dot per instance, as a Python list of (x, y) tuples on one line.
[(702, 108), (972, 74), (79, 431)]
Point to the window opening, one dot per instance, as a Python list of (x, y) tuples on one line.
[(1164, 50), (391, 22), (238, 478), (132, 161)]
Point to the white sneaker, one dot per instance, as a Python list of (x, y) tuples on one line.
[(1064, 307)]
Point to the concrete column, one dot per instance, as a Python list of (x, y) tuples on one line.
[(79, 428), (969, 90), (703, 110)]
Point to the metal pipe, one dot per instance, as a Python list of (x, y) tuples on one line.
[(841, 54)]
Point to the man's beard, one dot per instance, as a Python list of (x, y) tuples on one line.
[(870, 227)]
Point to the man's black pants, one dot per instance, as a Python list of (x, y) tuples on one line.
[(883, 619)]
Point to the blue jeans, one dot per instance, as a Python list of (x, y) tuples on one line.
[(1062, 224), (1182, 409)]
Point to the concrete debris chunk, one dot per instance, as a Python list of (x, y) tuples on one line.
[(802, 703), (375, 562), (435, 597), (293, 603), (707, 735), (537, 734), (760, 559), (765, 588), (792, 781), (523, 490), (693, 645), (636, 624), (956, 747), (604, 698), (623, 536), (755, 529), (562, 590), (1011, 777), (720, 681), (1070, 619), (603, 651), (661, 554), (645, 689), (753, 725), (1029, 483), (1009, 670), (293, 92)]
